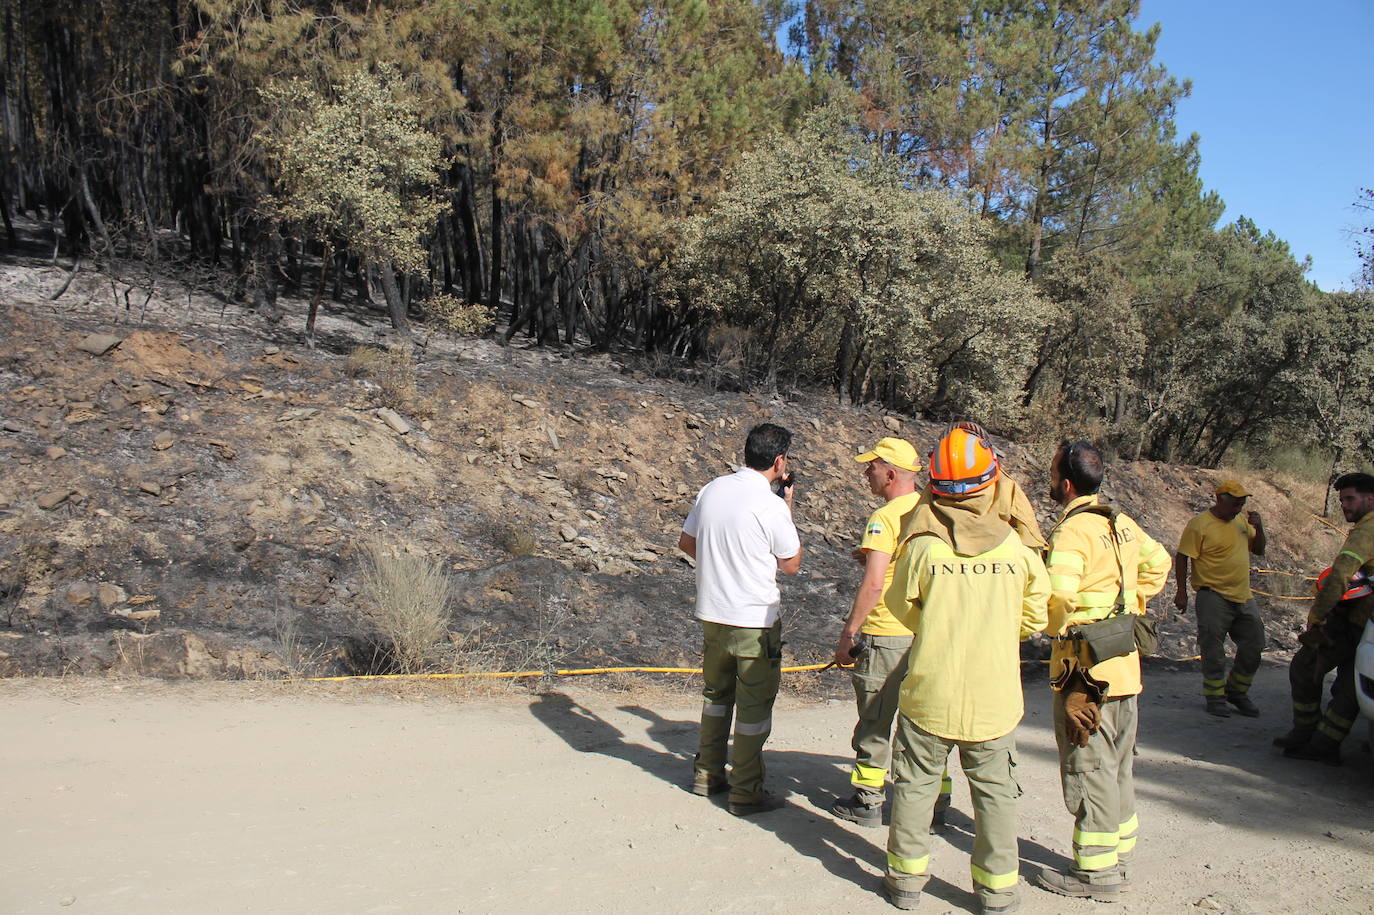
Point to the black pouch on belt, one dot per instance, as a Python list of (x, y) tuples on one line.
[(1108, 638)]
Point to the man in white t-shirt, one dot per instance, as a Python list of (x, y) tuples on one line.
[(741, 535)]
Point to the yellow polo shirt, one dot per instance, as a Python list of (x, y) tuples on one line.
[(1220, 551), (880, 536)]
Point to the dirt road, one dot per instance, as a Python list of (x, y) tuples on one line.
[(146, 797)]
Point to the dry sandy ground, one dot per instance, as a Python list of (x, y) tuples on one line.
[(145, 797)]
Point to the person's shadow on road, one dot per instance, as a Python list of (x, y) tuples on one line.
[(805, 824)]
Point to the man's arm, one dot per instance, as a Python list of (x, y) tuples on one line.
[(1036, 596), (870, 592), (1181, 582), (688, 544), (1066, 561), (791, 564), (1347, 562), (1257, 540), (1152, 569)]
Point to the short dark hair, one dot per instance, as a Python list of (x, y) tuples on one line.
[(765, 442), (1362, 483), (1081, 464)]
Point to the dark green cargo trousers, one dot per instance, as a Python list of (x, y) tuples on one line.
[(741, 670), (877, 679)]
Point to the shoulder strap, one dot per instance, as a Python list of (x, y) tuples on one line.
[(1110, 514)]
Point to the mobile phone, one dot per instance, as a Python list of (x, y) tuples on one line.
[(785, 484)]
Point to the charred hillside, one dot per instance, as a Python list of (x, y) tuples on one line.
[(186, 490)]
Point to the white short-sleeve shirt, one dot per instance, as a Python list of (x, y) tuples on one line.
[(742, 529)]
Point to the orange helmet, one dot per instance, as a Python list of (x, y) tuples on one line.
[(963, 461), (1358, 586)]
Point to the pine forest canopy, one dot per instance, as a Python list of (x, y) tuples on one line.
[(949, 207)]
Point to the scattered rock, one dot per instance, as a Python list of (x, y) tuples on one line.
[(892, 423), (225, 450), (553, 437), (815, 423), (394, 420), (150, 487), (80, 415), (50, 500), (271, 351), (567, 532), (99, 344), (644, 556), (54, 452), (80, 593), (573, 416), (110, 594), (300, 413), (163, 440), (12, 426)]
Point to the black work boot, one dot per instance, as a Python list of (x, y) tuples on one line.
[(1243, 704), (858, 809), (1216, 705), (1297, 737), (1317, 752)]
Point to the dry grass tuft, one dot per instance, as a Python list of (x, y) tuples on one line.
[(514, 539), (407, 602)]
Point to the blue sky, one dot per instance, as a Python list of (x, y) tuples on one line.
[(1281, 98)]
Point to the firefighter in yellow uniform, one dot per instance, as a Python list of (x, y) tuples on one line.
[(1334, 626), (1098, 558), (969, 590), (890, 469)]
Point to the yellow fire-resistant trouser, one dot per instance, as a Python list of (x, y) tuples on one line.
[(742, 669), (1217, 618), (990, 766), (1099, 789), (877, 679)]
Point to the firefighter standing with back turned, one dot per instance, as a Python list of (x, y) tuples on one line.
[(1097, 557), (969, 590), (1334, 626)]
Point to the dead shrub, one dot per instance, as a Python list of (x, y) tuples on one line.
[(462, 319), (406, 600), (393, 371), (361, 361), (514, 539)]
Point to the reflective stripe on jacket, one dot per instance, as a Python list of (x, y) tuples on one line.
[(1085, 579)]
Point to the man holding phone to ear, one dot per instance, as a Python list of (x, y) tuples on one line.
[(741, 535)]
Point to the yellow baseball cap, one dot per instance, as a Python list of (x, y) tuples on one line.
[(895, 451), (1232, 488)]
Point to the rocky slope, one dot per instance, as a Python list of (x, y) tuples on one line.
[(185, 490)]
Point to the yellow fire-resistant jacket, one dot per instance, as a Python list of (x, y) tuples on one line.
[(1356, 553), (1085, 580), (967, 614)]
